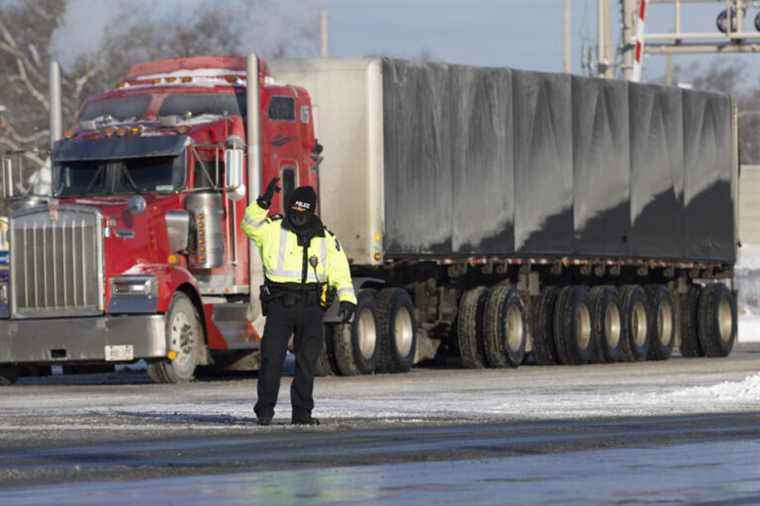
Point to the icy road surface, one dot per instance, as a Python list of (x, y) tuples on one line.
[(685, 430)]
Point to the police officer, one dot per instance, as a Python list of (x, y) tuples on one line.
[(301, 259)]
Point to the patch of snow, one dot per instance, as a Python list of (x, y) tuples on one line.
[(747, 390), (749, 328)]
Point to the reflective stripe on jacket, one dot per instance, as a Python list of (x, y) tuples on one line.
[(283, 257)]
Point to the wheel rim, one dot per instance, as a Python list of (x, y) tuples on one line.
[(665, 323), (725, 320), (514, 329), (583, 327), (366, 333), (639, 324), (403, 331), (182, 340), (612, 325)]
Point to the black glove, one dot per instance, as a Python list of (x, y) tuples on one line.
[(265, 200), (346, 311)]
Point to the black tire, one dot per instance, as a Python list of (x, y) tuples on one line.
[(325, 365), (397, 335), (663, 316), (607, 324), (186, 339), (690, 346), (572, 326), (356, 344), (470, 328), (542, 315), (637, 324), (717, 320), (8, 375), (506, 328)]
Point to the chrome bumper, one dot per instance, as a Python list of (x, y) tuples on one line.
[(106, 338)]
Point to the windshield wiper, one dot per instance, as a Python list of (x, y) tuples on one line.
[(95, 179), (131, 181)]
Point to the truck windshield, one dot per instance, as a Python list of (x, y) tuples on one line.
[(136, 175), (198, 104), (119, 108)]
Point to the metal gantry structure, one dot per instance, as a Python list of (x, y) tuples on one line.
[(730, 37)]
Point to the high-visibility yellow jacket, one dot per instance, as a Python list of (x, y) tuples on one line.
[(283, 257)]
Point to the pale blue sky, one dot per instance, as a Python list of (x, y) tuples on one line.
[(518, 33)]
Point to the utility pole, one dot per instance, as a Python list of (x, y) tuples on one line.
[(56, 121), (628, 19), (568, 37), (604, 32), (324, 53)]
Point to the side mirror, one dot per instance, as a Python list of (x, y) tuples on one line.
[(233, 177)]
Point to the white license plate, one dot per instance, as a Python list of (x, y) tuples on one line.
[(120, 353)]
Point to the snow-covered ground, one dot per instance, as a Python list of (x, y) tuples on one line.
[(679, 386)]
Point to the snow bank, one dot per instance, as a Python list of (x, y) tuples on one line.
[(747, 390)]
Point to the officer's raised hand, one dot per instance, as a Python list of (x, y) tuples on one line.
[(265, 200), (346, 310)]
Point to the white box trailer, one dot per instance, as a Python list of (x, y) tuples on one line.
[(348, 110)]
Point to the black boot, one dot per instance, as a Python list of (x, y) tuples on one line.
[(264, 420), (303, 419)]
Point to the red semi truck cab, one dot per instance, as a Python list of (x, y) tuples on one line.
[(139, 252)]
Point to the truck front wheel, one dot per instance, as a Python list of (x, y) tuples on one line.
[(185, 336)]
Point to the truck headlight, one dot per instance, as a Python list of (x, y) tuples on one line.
[(139, 286)]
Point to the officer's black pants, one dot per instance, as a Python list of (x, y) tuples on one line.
[(304, 321)]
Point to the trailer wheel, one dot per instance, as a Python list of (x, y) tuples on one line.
[(398, 330), (663, 316), (717, 320), (8, 375), (356, 344), (183, 329), (637, 321), (506, 328), (690, 346), (470, 327), (325, 362), (544, 347), (607, 324), (572, 326)]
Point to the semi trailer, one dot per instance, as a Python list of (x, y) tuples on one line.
[(498, 215), (519, 214)]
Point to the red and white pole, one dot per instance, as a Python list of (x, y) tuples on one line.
[(639, 55)]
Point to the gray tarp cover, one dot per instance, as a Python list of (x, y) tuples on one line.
[(118, 148), (483, 161)]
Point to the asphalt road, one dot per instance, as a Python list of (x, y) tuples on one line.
[(683, 431)]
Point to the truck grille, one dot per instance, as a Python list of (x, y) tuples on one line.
[(56, 264)]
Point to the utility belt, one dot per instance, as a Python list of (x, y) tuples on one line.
[(291, 294)]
